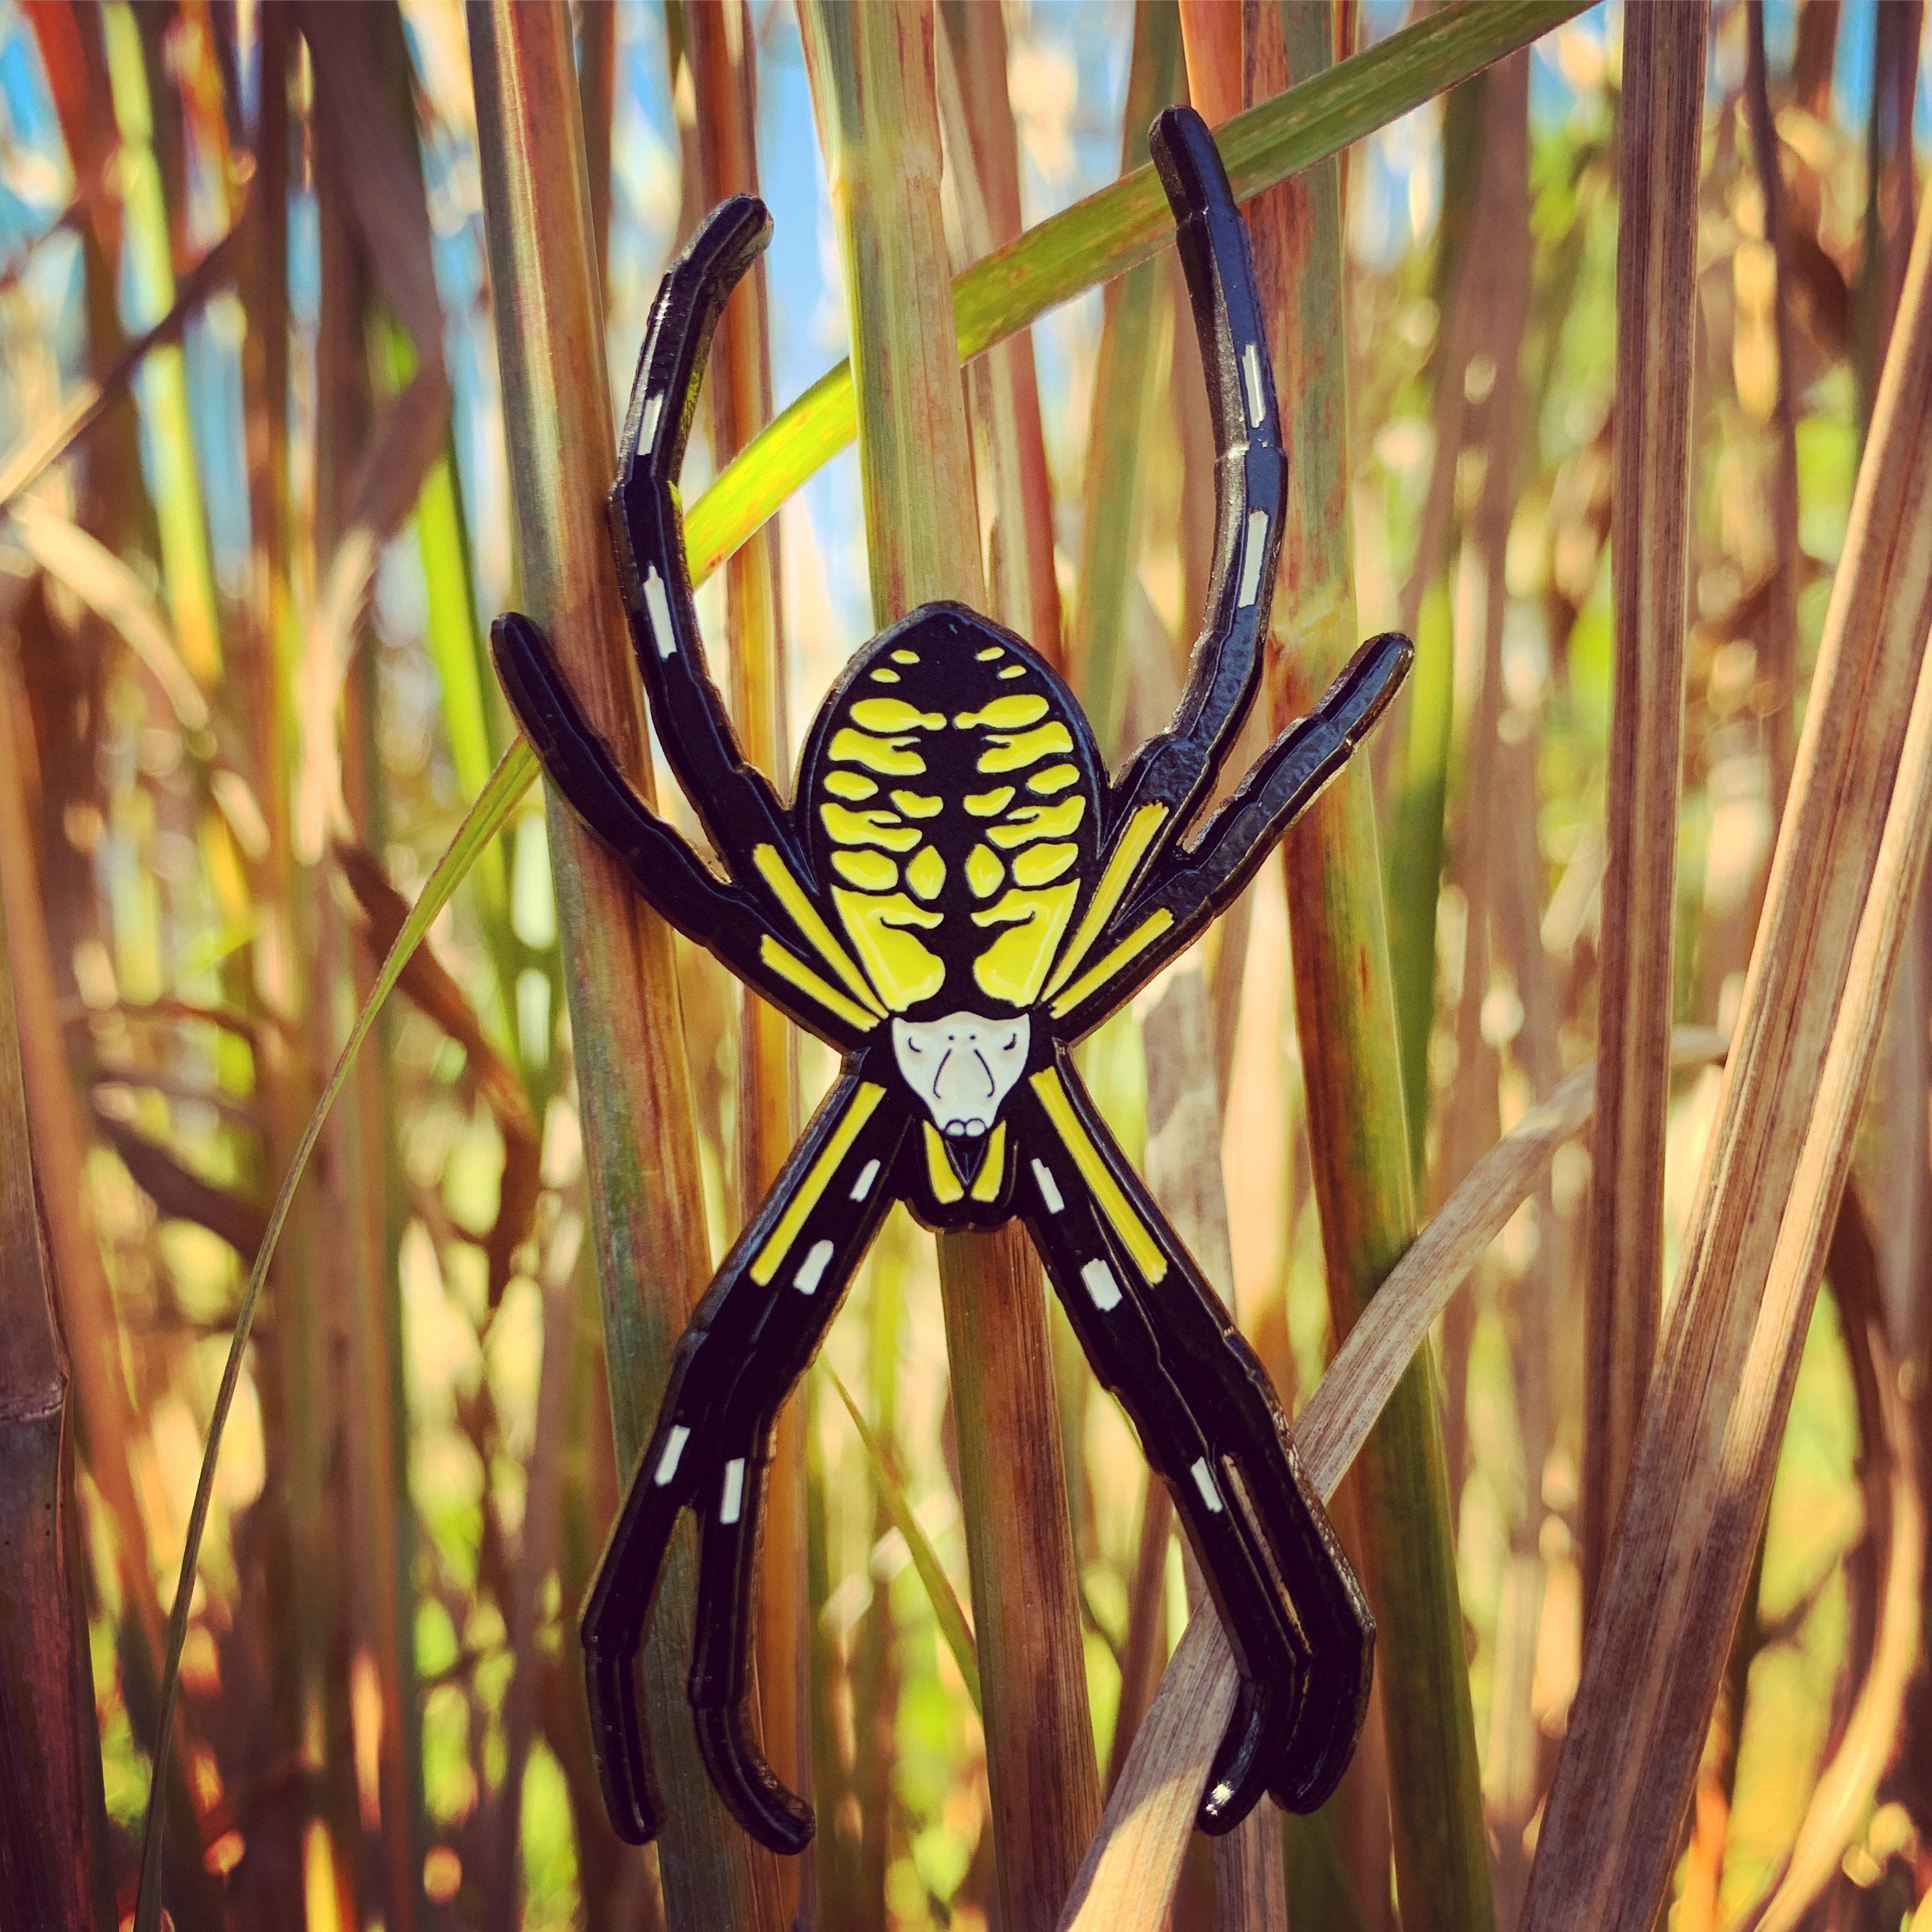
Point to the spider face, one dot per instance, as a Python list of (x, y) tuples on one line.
[(962, 1066)]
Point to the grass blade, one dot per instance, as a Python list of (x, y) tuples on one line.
[(1003, 393), (721, 45), (187, 571), (1357, 1123), (53, 1830), (47, 443), (1136, 340), (1660, 147), (939, 1590)]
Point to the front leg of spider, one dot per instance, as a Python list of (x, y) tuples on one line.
[(956, 894)]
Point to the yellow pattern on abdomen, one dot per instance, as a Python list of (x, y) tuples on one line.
[(893, 849)]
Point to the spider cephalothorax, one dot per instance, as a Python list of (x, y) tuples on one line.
[(958, 892)]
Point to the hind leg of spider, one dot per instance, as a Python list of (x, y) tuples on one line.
[(720, 1666), (1209, 1424), (748, 1340)]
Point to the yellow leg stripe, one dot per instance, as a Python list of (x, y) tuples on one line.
[(772, 1254), (993, 1170), (1113, 1203), (1121, 867), (788, 966), (945, 1183), (777, 874), (1136, 942)]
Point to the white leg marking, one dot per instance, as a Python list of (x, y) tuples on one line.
[(654, 408), (728, 1504), (811, 1270), (1049, 1191), (1251, 558), (862, 1186), (1101, 1285), (1251, 372), (673, 1448), (659, 604), (1204, 1483)]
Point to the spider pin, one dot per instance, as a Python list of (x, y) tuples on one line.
[(959, 892)]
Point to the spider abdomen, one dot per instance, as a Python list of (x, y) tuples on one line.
[(950, 801)]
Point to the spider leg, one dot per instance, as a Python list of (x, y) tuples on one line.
[(1210, 1425), (735, 801), (741, 815), (737, 924), (748, 1340), (1187, 889), (1166, 778)]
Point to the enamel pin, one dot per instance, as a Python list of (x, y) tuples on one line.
[(959, 892)]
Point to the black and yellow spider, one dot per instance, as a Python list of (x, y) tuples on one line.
[(958, 894)]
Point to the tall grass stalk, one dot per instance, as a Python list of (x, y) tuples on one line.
[(1002, 392), (646, 1196), (1129, 374), (1357, 1120), (53, 1830), (1659, 142), (871, 70)]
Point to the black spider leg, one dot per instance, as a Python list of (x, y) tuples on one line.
[(1210, 1427), (752, 833), (759, 1325), (1173, 771), (1190, 886), (735, 802), (741, 924)]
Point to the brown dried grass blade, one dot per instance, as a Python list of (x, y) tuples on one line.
[(45, 444), (1003, 386), (647, 1201), (371, 156), (432, 988), (1848, 856), (105, 585), (1127, 1879), (1659, 145), (89, 1324), (53, 1828), (1895, 1521), (180, 1194)]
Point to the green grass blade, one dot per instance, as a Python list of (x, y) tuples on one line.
[(946, 1608), (1126, 223), (483, 821)]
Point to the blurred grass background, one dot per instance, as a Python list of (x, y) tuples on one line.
[(245, 703)]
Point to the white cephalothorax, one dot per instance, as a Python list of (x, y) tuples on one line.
[(962, 1066)]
